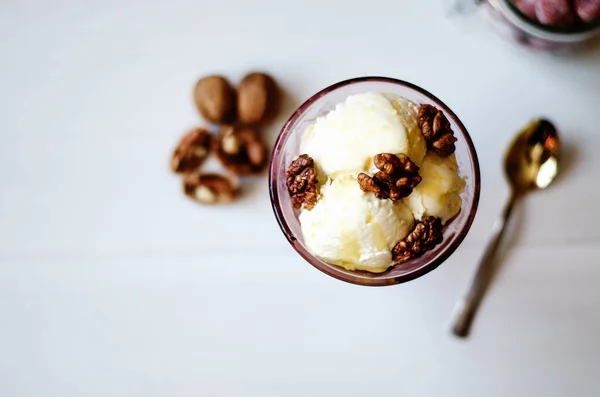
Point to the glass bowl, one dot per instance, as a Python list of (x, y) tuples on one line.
[(287, 149), (511, 23)]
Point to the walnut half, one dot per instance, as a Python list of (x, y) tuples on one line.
[(396, 178), (425, 235), (437, 130), (301, 180)]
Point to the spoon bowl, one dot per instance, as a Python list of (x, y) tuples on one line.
[(532, 158)]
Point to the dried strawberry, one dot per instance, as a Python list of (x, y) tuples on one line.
[(588, 10), (527, 7), (554, 12)]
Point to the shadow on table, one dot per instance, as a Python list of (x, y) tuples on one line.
[(569, 159)]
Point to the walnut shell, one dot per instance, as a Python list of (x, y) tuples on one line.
[(210, 188), (241, 149), (215, 99), (191, 152), (257, 99)]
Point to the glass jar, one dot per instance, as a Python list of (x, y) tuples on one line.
[(514, 25)]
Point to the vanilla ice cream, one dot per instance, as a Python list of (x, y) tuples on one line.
[(355, 229), (351, 228), (438, 194)]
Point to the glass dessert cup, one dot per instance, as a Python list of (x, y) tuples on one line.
[(287, 149)]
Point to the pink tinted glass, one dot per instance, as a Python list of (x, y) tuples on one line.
[(287, 149)]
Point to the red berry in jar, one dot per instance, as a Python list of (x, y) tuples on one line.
[(554, 12), (527, 7), (588, 10)]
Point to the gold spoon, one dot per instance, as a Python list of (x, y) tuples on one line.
[(531, 163)]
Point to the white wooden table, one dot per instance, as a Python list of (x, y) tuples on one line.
[(114, 284)]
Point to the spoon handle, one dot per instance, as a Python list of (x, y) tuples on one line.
[(467, 306)]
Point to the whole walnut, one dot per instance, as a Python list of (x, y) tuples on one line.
[(257, 99), (215, 99)]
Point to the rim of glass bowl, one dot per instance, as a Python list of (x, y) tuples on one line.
[(557, 34), (358, 277)]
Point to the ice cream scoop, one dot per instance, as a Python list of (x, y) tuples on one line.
[(438, 194), (354, 229), (346, 139)]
